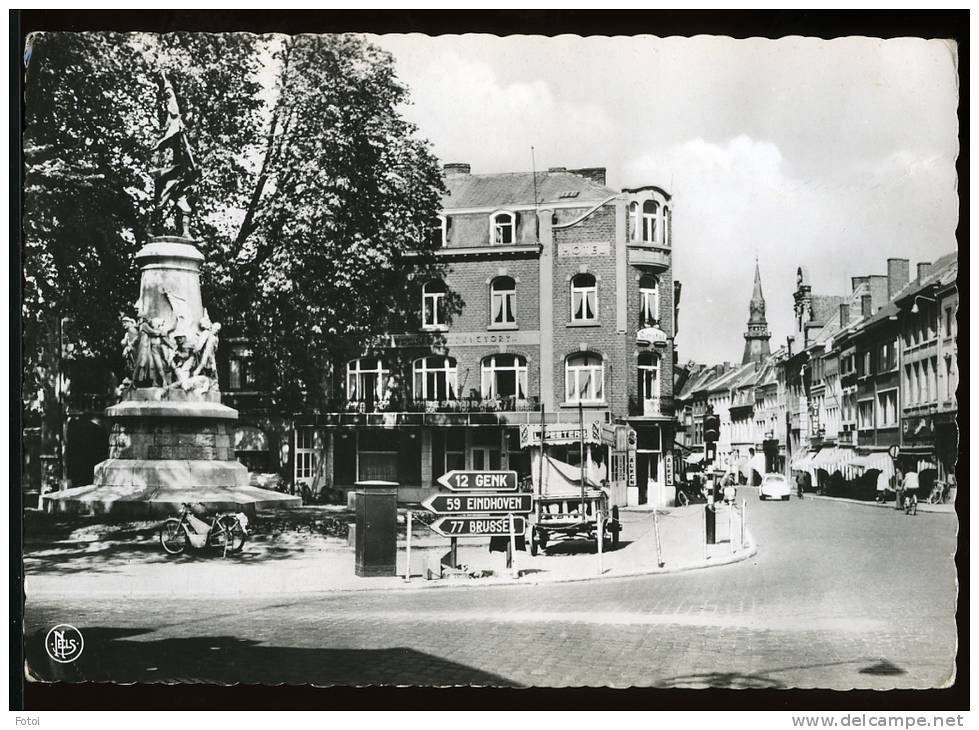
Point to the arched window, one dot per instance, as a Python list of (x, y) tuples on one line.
[(584, 298), (504, 376), (503, 300), (649, 375), (584, 378), (366, 379), (648, 301), (435, 378), (502, 227), (650, 214), (633, 221), (433, 304)]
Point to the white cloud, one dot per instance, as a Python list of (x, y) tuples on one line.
[(471, 116)]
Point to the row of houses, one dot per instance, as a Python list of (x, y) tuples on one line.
[(865, 385)]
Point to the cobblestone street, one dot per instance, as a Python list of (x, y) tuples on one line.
[(839, 596)]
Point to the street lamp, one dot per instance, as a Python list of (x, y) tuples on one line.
[(914, 306)]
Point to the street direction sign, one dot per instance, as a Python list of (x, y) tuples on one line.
[(449, 504), (461, 481), (466, 526)]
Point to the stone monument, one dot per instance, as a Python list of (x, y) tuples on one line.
[(172, 439)]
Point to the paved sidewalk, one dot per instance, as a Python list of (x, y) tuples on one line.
[(309, 565), (923, 506)]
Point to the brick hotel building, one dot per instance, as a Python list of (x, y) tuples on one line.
[(567, 304)]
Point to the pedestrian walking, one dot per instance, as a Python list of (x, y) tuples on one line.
[(898, 489), (882, 485), (909, 487)]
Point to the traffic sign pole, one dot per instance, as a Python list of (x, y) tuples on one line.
[(512, 552), (454, 552), (601, 538), (408, 547)]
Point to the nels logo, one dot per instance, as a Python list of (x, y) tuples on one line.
[(64, 643)]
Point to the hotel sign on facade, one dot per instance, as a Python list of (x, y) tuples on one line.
[(465, 339)]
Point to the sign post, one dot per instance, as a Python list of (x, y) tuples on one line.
[(512, 550), (408, 546), (601, 536)]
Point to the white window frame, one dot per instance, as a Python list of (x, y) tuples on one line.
[(304, 456), (650, 222), (861, 426), (503, 297), (574, 374), (437, 301), (488, 368), (496, 228), (586, 292), (422, 368), (667, 225), (355, 374), (648, 301), (886, 418), (646, 371), (444, 221)]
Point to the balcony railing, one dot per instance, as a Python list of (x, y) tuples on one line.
[(458, 405), (658, 407)]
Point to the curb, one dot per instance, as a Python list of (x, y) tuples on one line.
[(922, 506), (749, 551)]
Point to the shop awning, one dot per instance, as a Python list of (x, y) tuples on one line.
[(831, 459), (694, 458), (924, 465), (802, 460), (876, 460)]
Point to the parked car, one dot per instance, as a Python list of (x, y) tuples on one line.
[(774, 486)]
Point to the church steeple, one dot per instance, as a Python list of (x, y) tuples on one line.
[(756, 347)]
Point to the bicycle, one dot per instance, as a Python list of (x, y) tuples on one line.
[(939, 493), (226, 531)]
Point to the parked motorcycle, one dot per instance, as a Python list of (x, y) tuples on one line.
[(226, 531)]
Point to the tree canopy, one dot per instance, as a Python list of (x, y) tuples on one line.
[(314, 187)]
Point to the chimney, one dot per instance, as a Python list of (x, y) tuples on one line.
[(844, 315), (856, 281), (898, 274), (878, 289), (456, 168), (923, 270), (595, 174), (865, 305)]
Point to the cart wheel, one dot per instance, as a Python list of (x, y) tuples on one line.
[(543, 540)]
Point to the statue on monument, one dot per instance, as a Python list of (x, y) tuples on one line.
[(177, 174), (154, 353)]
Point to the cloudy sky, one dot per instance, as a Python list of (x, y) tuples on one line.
[(830, 154)]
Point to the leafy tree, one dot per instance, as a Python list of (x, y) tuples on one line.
[(314, 188)]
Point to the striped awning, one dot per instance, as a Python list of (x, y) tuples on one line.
[(875, 460), (802, 460), (832, 458)]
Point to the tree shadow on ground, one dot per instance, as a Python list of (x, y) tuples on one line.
[(117, 655)]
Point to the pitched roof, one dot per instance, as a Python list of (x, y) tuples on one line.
[(517, 188), (940, 270)]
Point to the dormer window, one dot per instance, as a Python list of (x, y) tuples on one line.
[(502, 227)]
